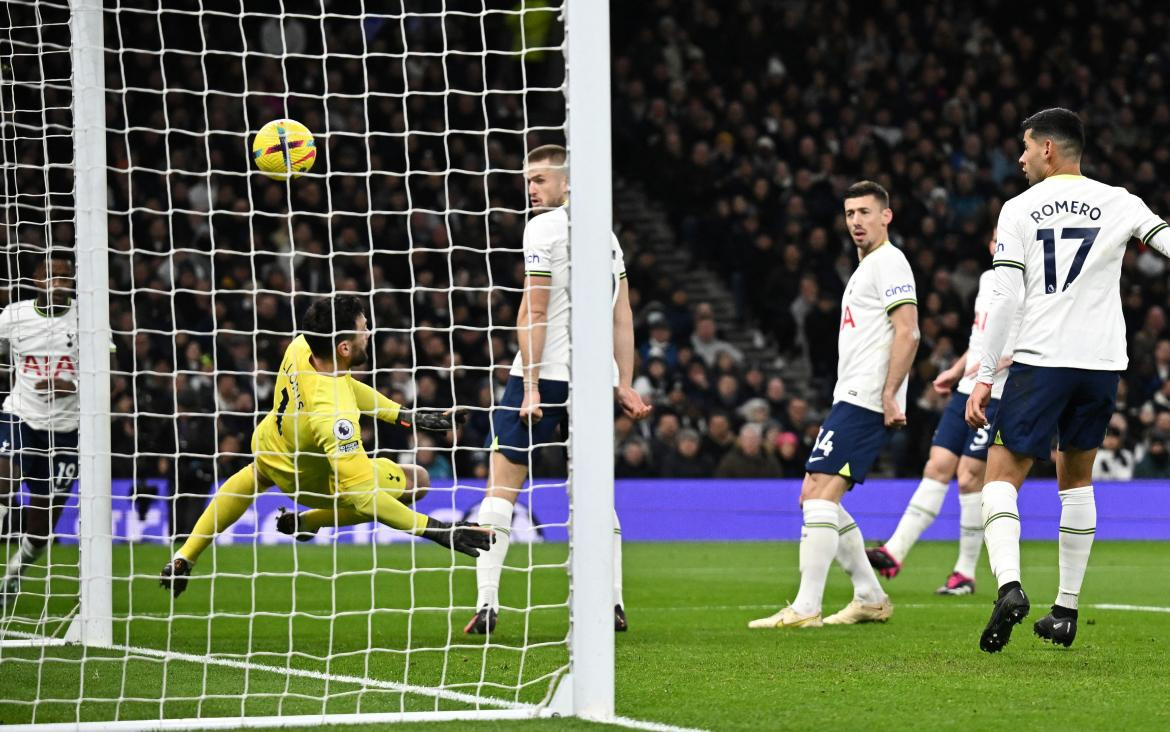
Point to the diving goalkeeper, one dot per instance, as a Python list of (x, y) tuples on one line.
[(310, 445)]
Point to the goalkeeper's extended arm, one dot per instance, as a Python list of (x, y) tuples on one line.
[(373, 402)]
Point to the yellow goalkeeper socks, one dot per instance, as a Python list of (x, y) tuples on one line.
[(229, 504)]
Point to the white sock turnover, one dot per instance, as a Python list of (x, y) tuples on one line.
[(919, 515), (818, 546), (496, 513), (1078, 525), (1001, 530), (851, 557), (970, 533)]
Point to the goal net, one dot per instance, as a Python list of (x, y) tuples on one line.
[(128, 136)]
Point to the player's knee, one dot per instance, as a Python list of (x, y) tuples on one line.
[(418, 483), (970, 481)]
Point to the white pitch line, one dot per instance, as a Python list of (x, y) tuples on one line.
[(307, 674), (650, 726), (909, 606)]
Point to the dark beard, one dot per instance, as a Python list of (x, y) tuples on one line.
[(359, 357)]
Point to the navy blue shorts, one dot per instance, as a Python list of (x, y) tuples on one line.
[(1039, 402), (514, 439), (849, 442), (47, 460), (955, 435)]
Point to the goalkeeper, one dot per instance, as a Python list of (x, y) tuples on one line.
[(310, 446)]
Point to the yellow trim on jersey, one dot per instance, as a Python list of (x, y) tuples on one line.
[(845, 472), (1065, 176)]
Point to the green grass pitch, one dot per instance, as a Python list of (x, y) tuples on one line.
[(688, 660)]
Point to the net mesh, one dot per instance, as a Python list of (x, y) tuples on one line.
[(421, 113)]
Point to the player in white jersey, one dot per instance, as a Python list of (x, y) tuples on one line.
[(535, 399), (955, 448), (1058, 267), (877, 342), (38, 428)]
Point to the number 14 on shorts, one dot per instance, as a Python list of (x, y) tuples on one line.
[(823, 445)]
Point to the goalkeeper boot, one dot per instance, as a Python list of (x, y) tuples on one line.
[(1010, 610), (788, 618), (862, 612), (1058, 626), (175, 575), (619, 619), (957, 584), (289, 524), (483, 622), (884, 562)]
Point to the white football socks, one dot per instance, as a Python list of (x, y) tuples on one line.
[(970, 533), (496, 513), (818, 547), (851, 557), (920, 513), (28, 553), (1078, 524), (1001, 530), (617, 561)]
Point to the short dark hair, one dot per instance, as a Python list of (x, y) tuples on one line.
[(867, 188), (1060, 124), (330, 321), (42, 257)]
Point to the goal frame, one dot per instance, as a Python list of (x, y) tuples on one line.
[(587, 689)]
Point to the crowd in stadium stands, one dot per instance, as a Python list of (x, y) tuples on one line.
[(745, 120), (749, 119)]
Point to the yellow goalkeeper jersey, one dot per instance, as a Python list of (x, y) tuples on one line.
[(311, 441)]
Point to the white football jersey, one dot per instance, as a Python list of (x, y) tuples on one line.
[(975, 344), (546, 253), (42, 347), (1068, 235), (881, 282)]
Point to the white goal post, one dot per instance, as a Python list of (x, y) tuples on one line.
[(241, 674)]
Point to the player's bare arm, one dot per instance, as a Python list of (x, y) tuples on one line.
[(905, 345), (623, 352), (945, 381), (531, 331)]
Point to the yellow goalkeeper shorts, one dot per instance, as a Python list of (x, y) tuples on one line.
[(308, 478)]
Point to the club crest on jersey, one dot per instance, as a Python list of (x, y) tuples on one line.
[(343, 429)]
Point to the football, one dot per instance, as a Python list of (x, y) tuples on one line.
[(283, 149)]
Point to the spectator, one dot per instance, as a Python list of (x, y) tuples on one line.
[(1114, 461), (634, 460), (659, 343), (1156, 462), (708, 346), (719, 438), (789, 455), (687, 460), (748, 459)]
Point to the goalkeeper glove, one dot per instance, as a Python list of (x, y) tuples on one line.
[(462, 536), (431, 421)]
